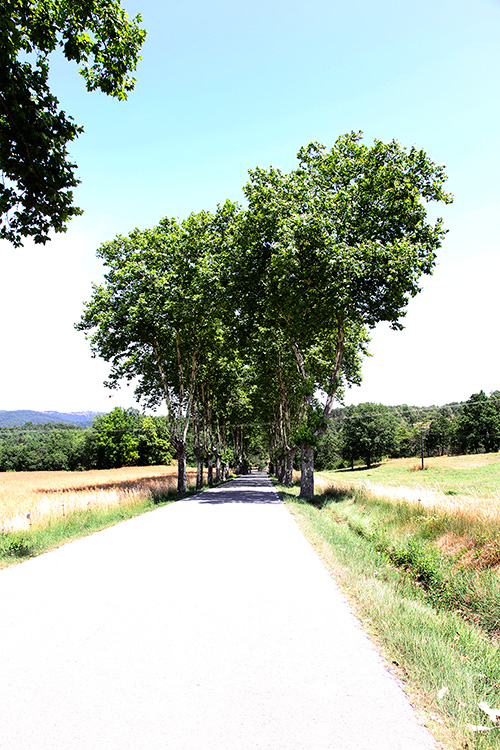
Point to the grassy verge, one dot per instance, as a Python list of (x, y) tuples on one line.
[(433, 610), (480, 473), (16, 546)]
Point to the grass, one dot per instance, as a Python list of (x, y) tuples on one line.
[(31, 498), (42, 510), (425, 581), (464, 484)]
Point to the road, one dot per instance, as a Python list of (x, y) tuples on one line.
[(208, 624)]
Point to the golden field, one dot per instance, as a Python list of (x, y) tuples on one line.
[(32, 497)]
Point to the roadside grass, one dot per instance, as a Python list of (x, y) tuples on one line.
[(468, 483), (433, 607), (74, 505)]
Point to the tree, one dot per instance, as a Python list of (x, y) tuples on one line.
[(37, 175), (478, 427), (439, 434), (368, 431), (332, 249), (159, 311), (124, 437)]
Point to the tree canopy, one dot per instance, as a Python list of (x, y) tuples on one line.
[(333, 248), (291, 286), (36, 191)]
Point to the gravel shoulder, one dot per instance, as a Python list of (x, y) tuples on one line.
[(210, 624)]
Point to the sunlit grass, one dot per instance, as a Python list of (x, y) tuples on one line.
[(463, 485), (29, 499)]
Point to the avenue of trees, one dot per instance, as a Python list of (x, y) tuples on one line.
[(261, 315), (36, 189)]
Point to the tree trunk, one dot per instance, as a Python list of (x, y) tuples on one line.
[(217, 468), (288, 478), (307, 472), (199, 469), (181, 467), (210, 470)]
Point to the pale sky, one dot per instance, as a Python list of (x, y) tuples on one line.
[(224, 87)]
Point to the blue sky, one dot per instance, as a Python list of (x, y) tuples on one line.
[(224, 87)]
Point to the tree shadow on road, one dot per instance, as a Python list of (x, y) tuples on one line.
[(251, 489)]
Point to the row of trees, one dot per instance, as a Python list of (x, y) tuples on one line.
[(369, 431), (261, 316), (122, 438)]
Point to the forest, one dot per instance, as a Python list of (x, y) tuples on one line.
[(355, 435)]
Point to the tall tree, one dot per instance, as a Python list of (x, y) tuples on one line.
[(159, 310), (332, 249), (368, 431), (37, 174)]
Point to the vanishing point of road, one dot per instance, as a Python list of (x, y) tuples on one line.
[(208, 624)]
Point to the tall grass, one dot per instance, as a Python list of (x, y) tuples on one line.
[(29, 499), (42, 510), (465, 485)]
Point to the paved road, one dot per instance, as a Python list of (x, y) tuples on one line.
[(209, 624)]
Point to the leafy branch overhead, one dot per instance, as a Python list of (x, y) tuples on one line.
[(36, 190)]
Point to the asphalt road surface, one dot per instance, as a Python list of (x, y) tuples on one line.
[(209, 624)]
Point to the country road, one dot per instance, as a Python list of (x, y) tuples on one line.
[(209, 624)]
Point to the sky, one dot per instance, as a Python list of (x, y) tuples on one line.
[(226, 86)]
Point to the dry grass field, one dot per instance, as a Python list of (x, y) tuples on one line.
[(29, 498), (465, 485)]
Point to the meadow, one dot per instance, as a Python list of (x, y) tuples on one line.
[(30, 499), (468, 484)]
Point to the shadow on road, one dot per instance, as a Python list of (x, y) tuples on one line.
[(250, 488)]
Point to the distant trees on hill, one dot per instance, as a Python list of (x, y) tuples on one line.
[(368, 432), (356, 434), (122, 438)]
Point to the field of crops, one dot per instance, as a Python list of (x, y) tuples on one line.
[(30, 498)]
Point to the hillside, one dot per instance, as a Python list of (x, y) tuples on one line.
[(22, 416)]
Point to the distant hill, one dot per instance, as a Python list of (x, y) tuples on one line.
[(17, 418)]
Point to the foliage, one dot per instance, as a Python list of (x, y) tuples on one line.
[(332, 249), (478, 428), (368, 431), (37, 177), (328, 453), (247, 315), (122, 438), (160, 318), (41, 447)]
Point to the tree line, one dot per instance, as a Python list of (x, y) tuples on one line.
[(261, 315), (356, 434), (124, 437), (369, 432)]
